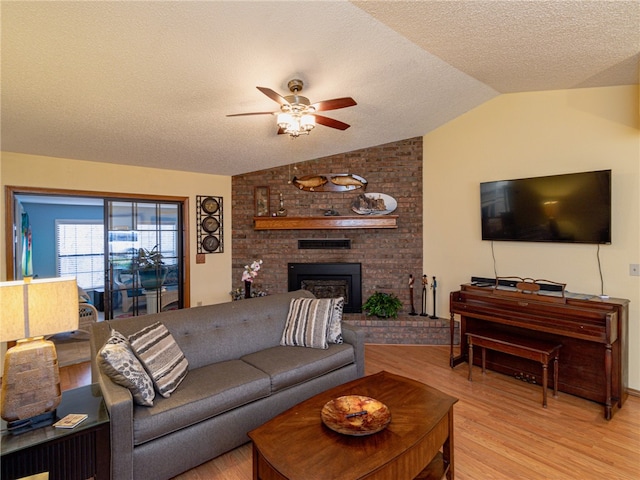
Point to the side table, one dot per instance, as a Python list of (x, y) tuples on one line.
[(79, 453)]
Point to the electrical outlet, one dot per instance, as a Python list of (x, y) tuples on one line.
[(634, 270)]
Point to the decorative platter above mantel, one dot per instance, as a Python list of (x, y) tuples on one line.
[(325, 222)]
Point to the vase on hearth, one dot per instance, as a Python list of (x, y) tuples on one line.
[(247, 289)]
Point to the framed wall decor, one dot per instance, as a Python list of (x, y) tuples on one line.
[(261, 201), (209, 224)]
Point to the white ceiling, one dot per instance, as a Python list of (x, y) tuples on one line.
[(151, 83)]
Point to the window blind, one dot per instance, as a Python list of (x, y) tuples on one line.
[(80, 251)]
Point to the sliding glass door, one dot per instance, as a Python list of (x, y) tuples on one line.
[(143, 261), (97, 238)]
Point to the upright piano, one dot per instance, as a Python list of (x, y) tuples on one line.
[(592, 331)]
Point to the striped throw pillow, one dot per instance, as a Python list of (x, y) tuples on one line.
[(307, 322), (161, 356)]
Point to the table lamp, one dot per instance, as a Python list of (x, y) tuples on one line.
[(30, 309)]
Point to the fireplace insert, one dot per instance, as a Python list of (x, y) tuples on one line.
[(329, 280)]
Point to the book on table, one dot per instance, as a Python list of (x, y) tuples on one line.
[(71, 421)]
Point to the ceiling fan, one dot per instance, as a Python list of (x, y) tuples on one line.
[(297, 114)]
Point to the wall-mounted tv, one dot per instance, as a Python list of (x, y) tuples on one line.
[(570, 208)]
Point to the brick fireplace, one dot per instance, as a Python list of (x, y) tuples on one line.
[(387, 256)]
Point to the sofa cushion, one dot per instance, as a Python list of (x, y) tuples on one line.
[(204, 393), (307, 323), (289, 366), (118, 362), (161, 356)]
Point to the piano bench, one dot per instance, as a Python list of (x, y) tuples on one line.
[(529, 348)]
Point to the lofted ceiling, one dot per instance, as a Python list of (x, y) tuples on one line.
[(151, 83)]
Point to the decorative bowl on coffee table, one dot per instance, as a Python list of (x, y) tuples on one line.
[(355, 415)]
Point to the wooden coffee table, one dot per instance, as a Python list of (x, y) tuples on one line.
[(418, 443)]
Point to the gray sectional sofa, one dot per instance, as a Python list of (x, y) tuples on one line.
[(239, 377)]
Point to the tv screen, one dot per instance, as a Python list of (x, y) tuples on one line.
[(570, 208)]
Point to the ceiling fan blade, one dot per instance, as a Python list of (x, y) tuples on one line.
[(330, 122), (334, 104), (251, 113), (273, 95)]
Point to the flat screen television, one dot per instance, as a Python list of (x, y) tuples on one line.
[(569, 208)]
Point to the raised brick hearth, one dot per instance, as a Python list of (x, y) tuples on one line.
[(404, 330)]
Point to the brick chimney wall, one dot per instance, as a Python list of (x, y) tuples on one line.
[(387, 256)]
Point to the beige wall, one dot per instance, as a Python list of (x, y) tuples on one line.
[(210, 282), (536, 134)]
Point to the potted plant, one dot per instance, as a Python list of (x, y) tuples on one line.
[(382, 305), (151, 269)]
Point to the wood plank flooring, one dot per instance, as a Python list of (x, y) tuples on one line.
[(501, 430)]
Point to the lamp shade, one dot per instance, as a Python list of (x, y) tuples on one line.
[(284, 120), (38, 307), (307, 122)]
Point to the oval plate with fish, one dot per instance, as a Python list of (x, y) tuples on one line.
[(329, 182), (374, 204)]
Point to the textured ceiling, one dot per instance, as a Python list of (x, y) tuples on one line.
[(151, 83)]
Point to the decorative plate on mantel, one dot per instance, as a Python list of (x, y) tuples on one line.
[(374, 204), (355, 415)]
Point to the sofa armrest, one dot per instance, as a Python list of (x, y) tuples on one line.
[(355, 336), (119, 403)]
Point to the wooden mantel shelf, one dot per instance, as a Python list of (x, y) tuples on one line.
[(325, 223)]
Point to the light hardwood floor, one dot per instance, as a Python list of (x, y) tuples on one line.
[(501, 430)]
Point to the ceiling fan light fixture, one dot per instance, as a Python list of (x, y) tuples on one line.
[(296, 123), (297, 115)]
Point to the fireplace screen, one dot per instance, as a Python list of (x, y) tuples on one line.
[(327, 288), (329, 280)]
